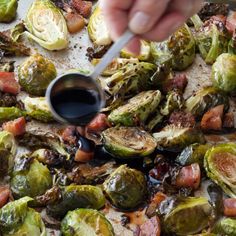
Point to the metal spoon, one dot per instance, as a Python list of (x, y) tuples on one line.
[(76, 98)]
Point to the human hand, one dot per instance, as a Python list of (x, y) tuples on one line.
[(153, 20)]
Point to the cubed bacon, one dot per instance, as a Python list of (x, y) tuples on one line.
[(16, 127), (8, 84)]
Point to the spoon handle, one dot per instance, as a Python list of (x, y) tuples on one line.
[(112, 53)]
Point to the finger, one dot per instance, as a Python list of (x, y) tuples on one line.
[(145, 13)]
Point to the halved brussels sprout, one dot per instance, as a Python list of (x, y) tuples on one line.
[(179, 49), (127, 142), (189, 217), (10, 113), (86, 222), (35, 74), (224, 72), (17, 219), (8, 10), (126, 188), (220, 164), (30, 178), (225, 226), (175, 138), (97, 29), (7, 141), (46, 25), (137, 109), (193, 154), (77, 196), (38, 109), (204, 99)]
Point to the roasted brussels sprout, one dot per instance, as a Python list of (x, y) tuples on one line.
[(86, 222), (179, 49), (77, 196), (204, 99), (35, 74), (175, 138), (17, 31), (193, 154), (10, 113), (29, 178), (220, 164), (225, 226), (16, 219), (38, 109), (7, 66), (137, 109), (8, 10), (126, 188), (212, 38), (189, 217), (128, 142), (46, 25), (223, 72)]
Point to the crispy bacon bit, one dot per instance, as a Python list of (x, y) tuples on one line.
[(75, 22), (228, 121), (83, 7), (16, 127), (179, 82), (4, 195), (183, 119), (231, 22), (212, 120), (69, 135), (230, 207), (98, 124), (151, 227), (8, 84)]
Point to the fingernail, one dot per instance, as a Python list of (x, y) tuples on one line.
[(139, 23)]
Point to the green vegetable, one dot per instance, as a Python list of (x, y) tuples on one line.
[(8, 10), (225, 226), (30, 178), (137, 109), (152, 121), (179, 49), (86, 222), (126, 188), (191, 216), (127, 142), (205, 99), (174, 138), (38, 109), (220, 164), (224, 71), (46, 25), (7, 66), (17, 31), (35, 74), (17, 219), (10, 113)]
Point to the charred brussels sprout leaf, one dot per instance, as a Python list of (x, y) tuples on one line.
[(46, 25), (190, 216), (137, 109), (175, 138), (10, 113), (126, 188), (7, 66), (77, 196), (220, 164), (35, 74), (30, 178), (86, 222), (16, 219), (17, 31), (204, 99), (8, 10), (127, 142), (224, 71), (179, 49), (225, 226)]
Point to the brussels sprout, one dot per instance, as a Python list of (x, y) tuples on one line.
[(137, 109), (152, 121), (225, 226), (7, 141), (223, 72), (174, 138), (7, 66), (8, 10), (10, 113), (205, 99), (212, 38), (77, 196), (193, 154), (86, 222), (189, 217), (220, 164), (127, 142), (126, 188), (35, 74), (97, 29), (38, 109), (17, 31), (179, 49), (17, 219), (46, 25), (30, 178)]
